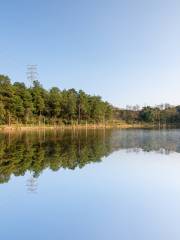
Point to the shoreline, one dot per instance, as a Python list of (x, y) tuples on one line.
[(12, 128)]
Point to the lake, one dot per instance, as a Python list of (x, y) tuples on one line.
[(90, 185)]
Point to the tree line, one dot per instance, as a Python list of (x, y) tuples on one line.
[(36, 105), (160, 115)]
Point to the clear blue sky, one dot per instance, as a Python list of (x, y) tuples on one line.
[(127, 51)]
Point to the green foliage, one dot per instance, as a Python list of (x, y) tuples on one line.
[(25, 101), (19, 104), (83, 106), (160, 115), (54, 102), (147, 114), (69, 104), (38, 95), (2, 113)]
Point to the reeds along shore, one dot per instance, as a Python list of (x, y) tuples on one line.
[(19, 127), (61, 127)]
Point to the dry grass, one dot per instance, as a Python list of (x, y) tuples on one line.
[(120, 125)]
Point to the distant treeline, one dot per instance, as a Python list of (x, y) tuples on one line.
[(163, 114), (35, 105)]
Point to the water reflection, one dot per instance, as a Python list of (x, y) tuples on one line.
[(160, 141), (32, 184), (37, 151)]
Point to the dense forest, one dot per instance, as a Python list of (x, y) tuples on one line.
[(20, 104), (35, 105)]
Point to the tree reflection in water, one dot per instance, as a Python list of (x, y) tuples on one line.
[(36, 151)]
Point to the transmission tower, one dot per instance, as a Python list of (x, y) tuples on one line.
[(32, 185), (32, 74)]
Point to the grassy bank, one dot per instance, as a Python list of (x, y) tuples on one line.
[(21, 127)]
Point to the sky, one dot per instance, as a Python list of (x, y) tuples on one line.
[(126, 51)]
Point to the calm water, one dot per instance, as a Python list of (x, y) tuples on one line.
[(114, 184)]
